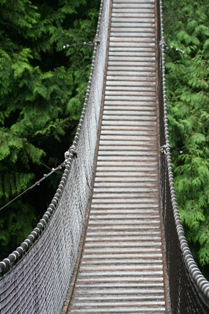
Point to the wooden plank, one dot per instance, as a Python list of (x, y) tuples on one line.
[(130, 49), (131, 33), (134, 73), (129, 30), (121, 269), (133, 123), (133, 4), (133, 44)]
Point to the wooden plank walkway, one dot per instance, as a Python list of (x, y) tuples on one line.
[(121, 269)]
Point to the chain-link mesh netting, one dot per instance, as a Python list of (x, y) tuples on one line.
[(189, 290), (35, 278)]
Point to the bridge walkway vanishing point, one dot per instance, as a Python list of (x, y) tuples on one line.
[(121, 268)]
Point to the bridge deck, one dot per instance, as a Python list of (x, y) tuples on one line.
[(121, 269)]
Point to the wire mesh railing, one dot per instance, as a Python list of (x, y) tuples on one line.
[(35, 278), (189, 290)]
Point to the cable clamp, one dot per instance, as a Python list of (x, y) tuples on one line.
[(163, 149), (162, 42), (70, 151), (73, 151), (96, 40)]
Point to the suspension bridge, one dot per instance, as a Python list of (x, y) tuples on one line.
[(111, 240)]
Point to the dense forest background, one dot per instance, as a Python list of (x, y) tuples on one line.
[(186, 27), (44, 68)]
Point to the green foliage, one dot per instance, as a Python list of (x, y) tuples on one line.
[(15, 226), (42, 87), (187, 38)]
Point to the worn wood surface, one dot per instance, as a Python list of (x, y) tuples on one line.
[(121, 269)]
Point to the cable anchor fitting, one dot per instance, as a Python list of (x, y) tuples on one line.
[(96, 40), (162, 42), (72, 151), (163, 149)]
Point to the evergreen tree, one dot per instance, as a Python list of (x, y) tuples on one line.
[(44, 68), (187, 37)]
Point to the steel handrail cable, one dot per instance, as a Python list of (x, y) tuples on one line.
[(35, 277), (198, 284)]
